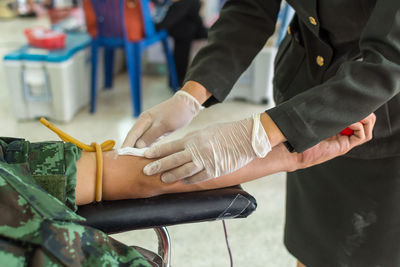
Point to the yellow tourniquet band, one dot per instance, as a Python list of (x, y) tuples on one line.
[(93, 147)]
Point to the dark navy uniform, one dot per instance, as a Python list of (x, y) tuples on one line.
[(339, 62)]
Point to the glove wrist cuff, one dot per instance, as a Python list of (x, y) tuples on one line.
[(196, 106)]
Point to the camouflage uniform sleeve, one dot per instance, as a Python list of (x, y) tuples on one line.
[(51, 164), (36, 228)]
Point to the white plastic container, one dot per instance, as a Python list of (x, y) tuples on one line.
[(52, 90), (53, 84)]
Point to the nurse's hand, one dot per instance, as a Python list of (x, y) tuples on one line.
[(163, 119), (337, 145), (211, 152)]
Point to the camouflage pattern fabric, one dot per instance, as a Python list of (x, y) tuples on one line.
[(37, 228)]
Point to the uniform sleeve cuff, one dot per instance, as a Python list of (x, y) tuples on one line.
[(218, 91), (299, 135), (72, 154)]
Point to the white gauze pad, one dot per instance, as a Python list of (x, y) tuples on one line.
[(132, 151)]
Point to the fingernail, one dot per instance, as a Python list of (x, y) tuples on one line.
[(168, 178), (140, 144), (152, 168)]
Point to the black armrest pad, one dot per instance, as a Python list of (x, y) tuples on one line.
[(171, 209)]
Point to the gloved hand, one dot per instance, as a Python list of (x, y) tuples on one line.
[(163, 119), (209, 153)]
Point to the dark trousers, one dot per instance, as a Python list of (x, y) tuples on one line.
[(184, 25), (345, 212)]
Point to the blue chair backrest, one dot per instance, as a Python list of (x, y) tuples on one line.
[(110, 17)]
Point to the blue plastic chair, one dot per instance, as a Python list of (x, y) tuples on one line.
[(112, 34)]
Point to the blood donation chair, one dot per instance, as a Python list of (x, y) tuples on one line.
[(172, 209)]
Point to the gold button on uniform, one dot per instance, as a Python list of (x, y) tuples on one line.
[(312, 20), (289, 31), (320, 61)]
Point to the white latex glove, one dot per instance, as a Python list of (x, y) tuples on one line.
[(163, 119), (209, 153)]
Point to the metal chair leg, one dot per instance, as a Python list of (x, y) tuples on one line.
[(164, 245)]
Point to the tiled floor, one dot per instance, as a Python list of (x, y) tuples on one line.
[(255, 241)]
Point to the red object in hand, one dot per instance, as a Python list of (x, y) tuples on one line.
[(44, 38), (347, 132)]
